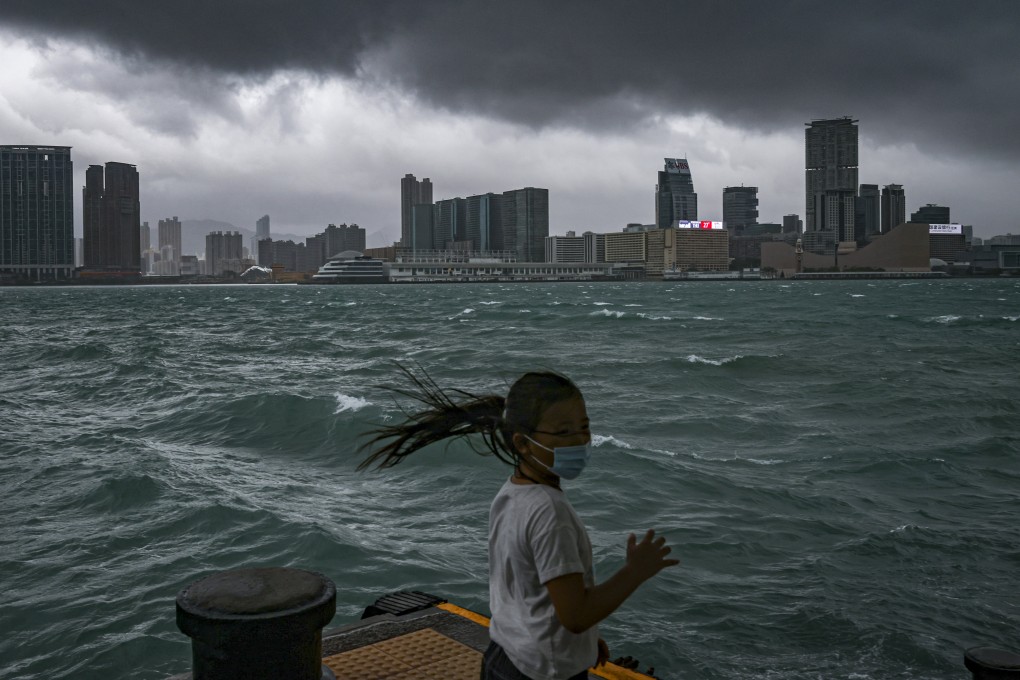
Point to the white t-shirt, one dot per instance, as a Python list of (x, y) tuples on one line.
[(534, 537)]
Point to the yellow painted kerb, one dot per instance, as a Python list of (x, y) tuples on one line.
[(610, 671)]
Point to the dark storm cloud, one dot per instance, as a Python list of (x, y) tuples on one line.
[(942, 75)]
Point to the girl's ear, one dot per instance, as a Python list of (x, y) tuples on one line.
[(520, 442)]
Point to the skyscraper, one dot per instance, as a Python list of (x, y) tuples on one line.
[(830, 176), (674, 194), (868, 212), (112, 219), (894, 207), (144, 238), (412, 193), (36, 212), (740, 207), (262, 227), (526, 222), (484, 226), (931, 214)]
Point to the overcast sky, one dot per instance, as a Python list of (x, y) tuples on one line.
[(312, 111)]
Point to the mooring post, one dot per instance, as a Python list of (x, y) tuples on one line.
[(988, 663), (257, 624)]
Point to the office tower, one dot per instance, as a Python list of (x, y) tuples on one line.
[(223, 252), (112, 219), (450, 224), (412, 193), (894, 207), (262, 227), (674, 194), (792, 224), (867, 212), (36, 212), (483, 226), (169, 233), (526, 222), (830, 174), (740, 207), (144, 238), (421, 237), (931, 214)]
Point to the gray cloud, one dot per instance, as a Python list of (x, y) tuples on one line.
[(942, 75)]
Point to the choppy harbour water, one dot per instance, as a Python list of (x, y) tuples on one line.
[(836, 463)]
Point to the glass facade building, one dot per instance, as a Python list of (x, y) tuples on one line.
[(37, 212)]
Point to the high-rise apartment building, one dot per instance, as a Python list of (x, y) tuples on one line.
[(526, 222), (169, 233), (112, 219), (338, 239), (740, 207), (830, 176), (675, 198), (412, 193), (867, 212), (144, 238), (894, 207), (223, 252), (36, 212)]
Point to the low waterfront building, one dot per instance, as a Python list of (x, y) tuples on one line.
[(904, 249), (569, 248), (706, 250), (438, 266)]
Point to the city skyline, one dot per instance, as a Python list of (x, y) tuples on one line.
[(313, 135)]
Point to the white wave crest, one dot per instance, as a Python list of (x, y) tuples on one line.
[(601, 304), (598, 440), (856, 295), (607, 312), (946, 318), (652, 317), (463, 313), (709, 318), (763, 461), (491, 302), (345, 402), (633, 305), (1011, 318), (695, 359)]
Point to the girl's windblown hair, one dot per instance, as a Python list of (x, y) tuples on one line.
[(455, 414)]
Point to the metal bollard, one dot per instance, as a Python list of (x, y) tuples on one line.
[(257, 624), (988, 663)]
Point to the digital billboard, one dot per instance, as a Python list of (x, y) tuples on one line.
[(677, 166), (945, 229), (686, 224)]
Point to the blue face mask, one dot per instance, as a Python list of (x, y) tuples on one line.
[(568, 461)]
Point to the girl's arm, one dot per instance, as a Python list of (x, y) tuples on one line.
[(579, 608)]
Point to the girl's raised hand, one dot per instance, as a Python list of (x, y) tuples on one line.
[(648, 558)]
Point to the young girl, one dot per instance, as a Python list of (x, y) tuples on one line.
[(542, 592)]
